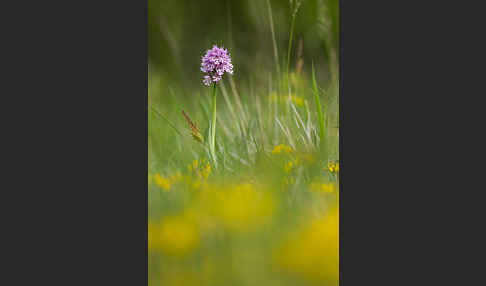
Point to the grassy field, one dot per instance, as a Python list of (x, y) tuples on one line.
[(262, 209)]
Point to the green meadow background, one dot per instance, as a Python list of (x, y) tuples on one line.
[(264, 209)]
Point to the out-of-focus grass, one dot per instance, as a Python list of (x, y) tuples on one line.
[(267, 214)]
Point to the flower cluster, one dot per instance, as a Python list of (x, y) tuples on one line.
[(201, 169), (215, 63), (333, 167), (282, 148), (166, 182), (174, 236)]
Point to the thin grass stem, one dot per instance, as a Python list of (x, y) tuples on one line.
[(167, 120), (292, 23), (275, 51), (322, 130)]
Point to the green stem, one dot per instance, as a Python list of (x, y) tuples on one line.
[(275, 52), (287, 75), (290, 47), (212, 144), (322, 130)]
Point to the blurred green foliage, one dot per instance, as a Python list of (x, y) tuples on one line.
[(179, 32), (267, 212)]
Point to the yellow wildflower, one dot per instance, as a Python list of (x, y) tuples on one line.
[(288, 167), (202, 169), (193, 166), (282, 148), (313, 253), (175, 236), (166, 182), (241, 208), (162, 182), (291, 165), (333, 167), (206, 170), (328, 188)]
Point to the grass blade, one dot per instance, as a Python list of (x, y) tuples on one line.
[(322, 130), (167, 120)]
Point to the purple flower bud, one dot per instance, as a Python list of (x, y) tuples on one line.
[(207, 80)]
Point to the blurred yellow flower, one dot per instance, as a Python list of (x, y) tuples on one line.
[(313, 253), (291, 165), (288, 167), (167, 182), (206, 170), (333, 167), (174, 236), (323, 187), (201, 169), (282, 148), (162, 182), (193, 166), (240, 207), (297, 100)]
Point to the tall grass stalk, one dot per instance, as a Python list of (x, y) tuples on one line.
[(275, 51), (322, 130), (232, 112), (292, 23), (167, 120), (242, 113)]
